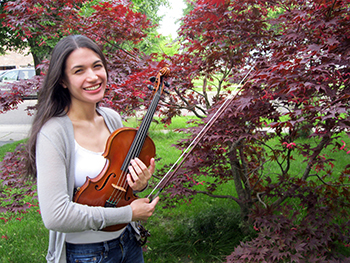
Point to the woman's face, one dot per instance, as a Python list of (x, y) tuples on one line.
[(85, 76)]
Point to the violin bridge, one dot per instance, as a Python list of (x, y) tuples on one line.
[(119, 188)]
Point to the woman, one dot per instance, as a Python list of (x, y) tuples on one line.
[(67, 140)]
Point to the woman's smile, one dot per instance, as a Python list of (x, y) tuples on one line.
[(94, 88)]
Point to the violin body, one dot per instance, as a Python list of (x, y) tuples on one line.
[(110, 188)]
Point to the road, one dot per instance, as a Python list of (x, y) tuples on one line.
[(15, 124)]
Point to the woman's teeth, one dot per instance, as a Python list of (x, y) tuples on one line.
[(93, 88)]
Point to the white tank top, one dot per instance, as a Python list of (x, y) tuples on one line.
[(89, 163)]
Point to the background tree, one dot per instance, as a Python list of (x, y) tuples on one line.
[(40, 24), (20, 31), (215, 44), (294, 105), (7, 41)]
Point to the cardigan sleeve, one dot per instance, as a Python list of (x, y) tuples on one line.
[(59, 212)]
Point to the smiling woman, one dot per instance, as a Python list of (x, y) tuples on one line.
[(69, 129)]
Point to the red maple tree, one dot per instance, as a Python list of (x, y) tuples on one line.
[(295, 102), (112, 24)]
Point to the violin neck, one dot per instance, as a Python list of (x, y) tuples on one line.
[(141, 134)]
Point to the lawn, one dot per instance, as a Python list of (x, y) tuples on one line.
[(203, 230)]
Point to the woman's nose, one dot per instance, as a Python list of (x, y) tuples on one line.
[(92, 76)]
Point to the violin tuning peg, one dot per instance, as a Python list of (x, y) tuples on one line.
[(152, 79), (166, 84), (150, 87), (166, 92)]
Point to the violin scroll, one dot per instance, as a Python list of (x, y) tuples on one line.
[(165, 72), (159, 82)]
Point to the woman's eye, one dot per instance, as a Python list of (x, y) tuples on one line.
[(98, 66)]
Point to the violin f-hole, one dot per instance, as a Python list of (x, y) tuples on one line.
[(105, 182)]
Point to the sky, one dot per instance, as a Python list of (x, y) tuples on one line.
[(168, 25)]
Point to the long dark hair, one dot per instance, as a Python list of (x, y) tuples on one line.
[(53, 99)]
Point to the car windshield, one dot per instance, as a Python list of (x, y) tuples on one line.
[(17, 74), (11, 75), (26, 74)]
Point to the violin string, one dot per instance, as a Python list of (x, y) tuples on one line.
[(134, 151), (120, 192), (144, 128), (115, 194), (123, 184), (141, 134)]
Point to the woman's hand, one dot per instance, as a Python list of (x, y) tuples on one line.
[(140, 174), (142, 209)]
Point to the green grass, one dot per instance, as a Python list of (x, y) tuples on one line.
[(186, 233), (203, 230), (24, 238), (9, 148)]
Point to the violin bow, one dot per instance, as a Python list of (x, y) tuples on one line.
[(166, 178)]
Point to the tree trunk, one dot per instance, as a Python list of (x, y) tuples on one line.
[(242, 189)]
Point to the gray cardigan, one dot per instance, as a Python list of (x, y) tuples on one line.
[(55, 180)]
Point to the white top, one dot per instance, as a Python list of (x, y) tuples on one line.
[(89, 164)]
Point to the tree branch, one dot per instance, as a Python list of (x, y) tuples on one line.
[(261, 201), (220, 196), (325, 183), (316, 153)]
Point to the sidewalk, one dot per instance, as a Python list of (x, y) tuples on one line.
[(13, 132), (15, 124)]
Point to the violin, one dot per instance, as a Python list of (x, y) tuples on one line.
[(110, 187)]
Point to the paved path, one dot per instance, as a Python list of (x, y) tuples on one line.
[(15, 124)]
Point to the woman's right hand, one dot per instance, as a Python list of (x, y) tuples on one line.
[(142, 209)]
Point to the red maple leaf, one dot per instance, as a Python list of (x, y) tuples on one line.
[(217, 2), (214, 2)]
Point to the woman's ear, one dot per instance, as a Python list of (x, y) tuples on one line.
[(63, 84)]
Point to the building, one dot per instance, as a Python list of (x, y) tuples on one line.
[(16, 60)]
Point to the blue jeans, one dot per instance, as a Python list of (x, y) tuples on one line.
[(124, 249)]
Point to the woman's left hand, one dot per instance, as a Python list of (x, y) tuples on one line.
[(139, 174)]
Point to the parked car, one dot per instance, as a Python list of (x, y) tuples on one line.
[(16, 75), (2, 72)]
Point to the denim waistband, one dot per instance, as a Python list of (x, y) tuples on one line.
[(102, 246)]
